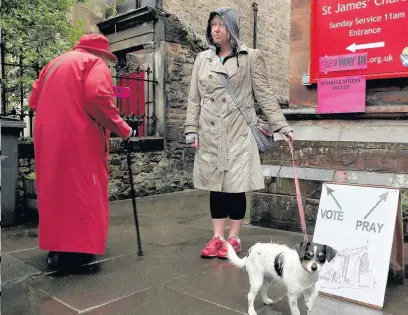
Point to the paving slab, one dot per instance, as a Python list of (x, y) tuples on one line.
[(203, 221), (223, 285), (18, 238), (161, 301), (173, 233), (21, 299), (186, 205), (13, 269), (119, 278), (118, 245), (325, 306), (171, 278), (396, 298)]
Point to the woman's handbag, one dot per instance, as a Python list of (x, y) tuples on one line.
[(261, 130)]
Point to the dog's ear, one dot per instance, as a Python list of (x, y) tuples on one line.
[(330, 253), (301, 249)]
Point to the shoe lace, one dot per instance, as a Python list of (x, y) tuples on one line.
[(213, 241)]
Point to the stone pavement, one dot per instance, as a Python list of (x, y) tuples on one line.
[(170, 278)]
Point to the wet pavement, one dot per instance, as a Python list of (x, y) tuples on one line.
[(170, 278)]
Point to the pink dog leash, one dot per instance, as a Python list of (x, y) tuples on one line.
[(298, 195)]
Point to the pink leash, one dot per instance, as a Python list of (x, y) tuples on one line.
[(298, 195)]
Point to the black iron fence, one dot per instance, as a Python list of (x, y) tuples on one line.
[(16, 86), (134, 93)]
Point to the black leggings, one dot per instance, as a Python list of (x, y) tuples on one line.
[(224, 205)]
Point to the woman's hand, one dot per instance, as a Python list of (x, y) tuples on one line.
[(195, 145), (288, 137), (192, 139)]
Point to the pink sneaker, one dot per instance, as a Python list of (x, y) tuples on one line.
[(212, 247), (236, 244)]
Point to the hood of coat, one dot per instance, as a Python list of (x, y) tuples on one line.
[(231, 20)]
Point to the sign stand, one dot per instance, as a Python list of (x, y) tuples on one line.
[(397, 263), (364, 224)]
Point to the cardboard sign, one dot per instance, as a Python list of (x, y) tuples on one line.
[(359, 222), (121, 91), (376, 27), (343, 62), (341, 95)]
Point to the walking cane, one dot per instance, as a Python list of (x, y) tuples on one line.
[(133, 194)]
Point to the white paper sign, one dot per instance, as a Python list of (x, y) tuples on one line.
[(359, 223)]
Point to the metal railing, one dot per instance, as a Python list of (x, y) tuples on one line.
[(15, 90), (136, 100)]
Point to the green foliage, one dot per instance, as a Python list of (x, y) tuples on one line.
[(36, 30), (31, 176), (405, 204)]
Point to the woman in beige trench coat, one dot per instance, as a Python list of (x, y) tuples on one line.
[(227, 161)]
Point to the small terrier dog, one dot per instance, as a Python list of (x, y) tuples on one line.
[(297, 269)]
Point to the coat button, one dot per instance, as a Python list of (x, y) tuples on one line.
[(212, 123), (224, 100), (210, 76), (212, 100)]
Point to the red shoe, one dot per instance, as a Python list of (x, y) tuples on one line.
[(236, 244), (212, 247)]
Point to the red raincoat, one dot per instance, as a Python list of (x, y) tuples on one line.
[(75, 114)]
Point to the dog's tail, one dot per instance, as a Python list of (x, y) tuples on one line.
[(233, 257)]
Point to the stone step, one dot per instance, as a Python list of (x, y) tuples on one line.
[(359, 145), (356, 156)]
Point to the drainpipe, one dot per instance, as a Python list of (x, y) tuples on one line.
[(255, 8), (3, 79)]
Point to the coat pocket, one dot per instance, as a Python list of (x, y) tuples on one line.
[(208, 121)]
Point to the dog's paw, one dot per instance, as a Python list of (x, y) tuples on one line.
[(268, 301), (251, 312)]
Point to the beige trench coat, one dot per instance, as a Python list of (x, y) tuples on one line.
[(227, 159)]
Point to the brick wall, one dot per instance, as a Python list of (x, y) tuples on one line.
[(272, 35), (384, 93)]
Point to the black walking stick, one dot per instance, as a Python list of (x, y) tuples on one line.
[(133, 194)]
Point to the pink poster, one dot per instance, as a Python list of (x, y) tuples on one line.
[(121, 91), (341, 95), (343, 62)]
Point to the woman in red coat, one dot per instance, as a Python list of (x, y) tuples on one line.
[(75, 113)]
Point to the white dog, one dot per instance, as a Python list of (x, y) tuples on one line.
[(298, 270)]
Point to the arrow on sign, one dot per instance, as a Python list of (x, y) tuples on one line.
[(354, 47), (330, 193), (382, 197)]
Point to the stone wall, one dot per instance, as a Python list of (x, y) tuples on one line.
[(181, 47), (272, 34), (155, 170), (89, 13)]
